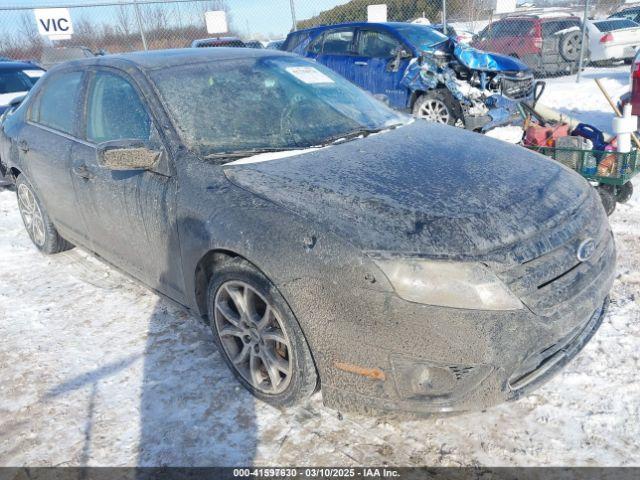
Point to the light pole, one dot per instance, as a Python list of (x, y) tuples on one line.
[(444, 16), (293, 15), (139, 19), (584, 38)]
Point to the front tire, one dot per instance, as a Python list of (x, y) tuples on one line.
[(608, 198), (258, 335), (438, 106), (39, 226)]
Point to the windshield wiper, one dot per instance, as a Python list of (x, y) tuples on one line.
[(248, 153), (360, 132)]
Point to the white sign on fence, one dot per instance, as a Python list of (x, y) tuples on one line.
[(216, 21), (54, 23), (377, 13)]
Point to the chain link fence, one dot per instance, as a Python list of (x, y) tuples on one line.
[(546, 35)]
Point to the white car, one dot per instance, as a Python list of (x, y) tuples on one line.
[(613, 39)]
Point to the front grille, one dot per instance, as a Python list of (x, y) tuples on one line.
[(556, 275), (517, 88)]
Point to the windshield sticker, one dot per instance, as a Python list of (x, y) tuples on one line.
[(309, 75)]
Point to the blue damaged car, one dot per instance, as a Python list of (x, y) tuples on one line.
[(418, 69)]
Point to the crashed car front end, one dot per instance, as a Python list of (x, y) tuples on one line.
[(488, 86)]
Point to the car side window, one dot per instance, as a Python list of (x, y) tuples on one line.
[(115, 110), (338, 42), (315, 45), (374, 44), (56, 105)]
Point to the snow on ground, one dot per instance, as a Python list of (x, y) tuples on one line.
[(96, 370)]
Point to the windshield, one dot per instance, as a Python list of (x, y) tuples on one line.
[(14, 82), (266, 103), (611, 25), (421, 36)]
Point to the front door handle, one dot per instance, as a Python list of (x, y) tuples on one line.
[(23, 145), (83, 172), (361, 64)]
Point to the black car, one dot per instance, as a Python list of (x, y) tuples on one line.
[(327, 239)]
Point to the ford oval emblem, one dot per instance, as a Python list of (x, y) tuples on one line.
[(586, 249)]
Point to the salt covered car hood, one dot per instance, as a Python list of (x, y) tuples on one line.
[(424, 188)]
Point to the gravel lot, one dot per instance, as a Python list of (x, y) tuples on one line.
[(95, 370)]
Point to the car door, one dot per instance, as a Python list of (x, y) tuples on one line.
[(380, 66), (130, 215), (337, 52), (44, 147)]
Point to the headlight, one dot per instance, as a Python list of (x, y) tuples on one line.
[(448, 284)]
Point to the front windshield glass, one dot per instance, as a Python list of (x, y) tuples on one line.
[(266, 103), (421, 36), (14, 82)]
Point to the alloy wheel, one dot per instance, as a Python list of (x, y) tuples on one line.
[(253, 337), (31, 215), (434, 110)]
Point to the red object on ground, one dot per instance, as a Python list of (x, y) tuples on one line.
[(539, 136)]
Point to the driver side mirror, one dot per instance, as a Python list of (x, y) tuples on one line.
[(127, 155)]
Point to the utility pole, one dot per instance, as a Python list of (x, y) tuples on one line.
[(444, 16), (139, 19), (583, 43), (293, 15)]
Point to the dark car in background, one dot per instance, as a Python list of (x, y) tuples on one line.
[(16, 79), (547, 44), (233, 42), (327, 239), (418, 69)]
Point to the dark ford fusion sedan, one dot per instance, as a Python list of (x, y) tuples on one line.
[(325, 238)]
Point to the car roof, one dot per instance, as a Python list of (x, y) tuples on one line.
[(387, 25), (219, 39), (12, 66), (156, 59)]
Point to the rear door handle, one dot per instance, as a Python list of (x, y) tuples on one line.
[(83, 172), (361, 64), (23, 145)]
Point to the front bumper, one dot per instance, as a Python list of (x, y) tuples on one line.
[(498, 365), (378, 353)]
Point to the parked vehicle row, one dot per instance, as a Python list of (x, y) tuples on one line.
[(547, 44), (551, 43), (328, 240)]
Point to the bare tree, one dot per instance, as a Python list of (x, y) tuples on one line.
[(123, 20)]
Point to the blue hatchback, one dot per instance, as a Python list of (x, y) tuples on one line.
[(416, 68)]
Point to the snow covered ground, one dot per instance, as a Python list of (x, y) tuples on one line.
[(95, 370)]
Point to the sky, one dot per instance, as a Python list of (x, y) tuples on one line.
[(267, 17)]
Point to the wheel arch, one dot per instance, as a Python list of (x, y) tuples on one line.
[(205, 269)]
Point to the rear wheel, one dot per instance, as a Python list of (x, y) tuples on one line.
[(570, 45), (258, 335), (438, 106), (624, 192), (41, 230)]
